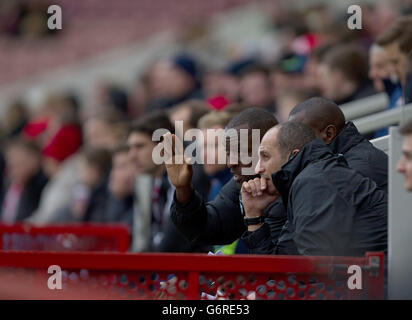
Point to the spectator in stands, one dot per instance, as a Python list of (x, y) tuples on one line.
[(152, 228), (312, 66), (119, 205), (379, 73), (343, 74), (173, 81), (227, 81), (89, 195), (331, 209), (219, 221), (405, 163), (328, 122), (287, 100), (15, 119), (94, 171), (110, 98), (106, 130), (287, 74), (397, 42), (255, 87), (20, 196), (189, 112), (218, 174), (378, 67), (60, 165)]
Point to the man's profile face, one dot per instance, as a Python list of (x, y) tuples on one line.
[(397, 61), (236, 149), (405, 162), (140, 152), (271, 159), (330, 82), (378, 68)]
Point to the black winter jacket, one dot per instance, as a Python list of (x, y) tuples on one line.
[(361, 155), (331, 209)]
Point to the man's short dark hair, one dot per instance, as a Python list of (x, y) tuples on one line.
[(351, 60), (198, 108), (99, 158), (320, 113), (254, 118), (406, 129), (255, 68), (149, 123), (401, 31), (294, 135)]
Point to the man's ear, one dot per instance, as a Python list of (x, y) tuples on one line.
[(329, 133), (295, 151)]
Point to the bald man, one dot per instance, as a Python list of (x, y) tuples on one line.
[(329, 124)]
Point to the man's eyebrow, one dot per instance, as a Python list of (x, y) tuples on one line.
[(407, 153)]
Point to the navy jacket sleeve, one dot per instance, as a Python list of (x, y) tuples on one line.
[(217, 222)]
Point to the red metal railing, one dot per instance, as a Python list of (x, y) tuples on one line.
[(187, 276), (76, 237)]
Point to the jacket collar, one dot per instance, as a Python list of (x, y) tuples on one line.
[(284, 178), (346, 139)]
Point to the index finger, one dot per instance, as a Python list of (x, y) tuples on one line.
[(263, 183)]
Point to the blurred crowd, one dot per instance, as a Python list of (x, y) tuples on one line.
[(67, 161)]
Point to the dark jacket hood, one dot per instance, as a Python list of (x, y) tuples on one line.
[(346, 139), (283, 179)]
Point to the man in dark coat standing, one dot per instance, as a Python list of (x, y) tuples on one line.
[(331, 208)]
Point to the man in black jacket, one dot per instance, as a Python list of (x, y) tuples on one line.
[(328, 122), (331, 209), (220, 221)]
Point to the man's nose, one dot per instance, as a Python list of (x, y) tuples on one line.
[(258, 168), (400, 167)]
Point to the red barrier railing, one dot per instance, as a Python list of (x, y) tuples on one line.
[(75, 237), (187, 276)]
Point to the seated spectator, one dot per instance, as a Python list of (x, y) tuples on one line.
[(405, 162), (226, 83), (397, 43), (378, 67), (343, 74), (255, 87), (379, 73), (220, 221), (93, 174), (152, 228), (89, 195), (60, 165), (119, 204), (15, 120), (287, 100), (106, 130), (109, 98), (189, 112), (20, 196), (173, 81), (328, 122), (331, 209)]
